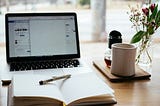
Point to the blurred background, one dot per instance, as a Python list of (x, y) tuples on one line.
[(96, 18)]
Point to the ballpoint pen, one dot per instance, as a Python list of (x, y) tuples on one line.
[(42, 82)]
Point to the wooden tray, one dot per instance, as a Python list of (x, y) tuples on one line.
[(139, 74)]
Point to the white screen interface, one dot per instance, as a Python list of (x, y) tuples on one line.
[(42, 36)]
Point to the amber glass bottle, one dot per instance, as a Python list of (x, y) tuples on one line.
[(114, 37)]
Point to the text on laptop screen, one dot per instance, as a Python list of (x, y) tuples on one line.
[(41, 36)]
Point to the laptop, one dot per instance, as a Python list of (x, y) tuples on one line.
[(42, 43)]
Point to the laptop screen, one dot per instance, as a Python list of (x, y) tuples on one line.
[(38, 36)]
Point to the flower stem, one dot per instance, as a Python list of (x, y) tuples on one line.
[(143, 47)]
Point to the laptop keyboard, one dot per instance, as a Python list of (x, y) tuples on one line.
[(44, 65)]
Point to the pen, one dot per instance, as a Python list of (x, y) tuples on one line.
[(42, 82)]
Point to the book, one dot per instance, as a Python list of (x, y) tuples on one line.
[(78, 90)]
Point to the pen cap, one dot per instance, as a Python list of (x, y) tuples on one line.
[(114, 37)]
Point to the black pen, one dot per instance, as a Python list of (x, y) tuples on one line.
[(42, 82)]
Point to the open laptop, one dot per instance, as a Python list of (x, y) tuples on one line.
[(42, 43)]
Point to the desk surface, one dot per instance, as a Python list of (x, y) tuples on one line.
[(130, 93)]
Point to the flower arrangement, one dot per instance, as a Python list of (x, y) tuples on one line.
[(146, 21)]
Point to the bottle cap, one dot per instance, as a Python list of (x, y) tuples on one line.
[(114, 37)]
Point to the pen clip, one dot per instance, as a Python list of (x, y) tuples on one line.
[(61, 77)]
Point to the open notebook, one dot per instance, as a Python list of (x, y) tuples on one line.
[(78, 90), (45, 42)]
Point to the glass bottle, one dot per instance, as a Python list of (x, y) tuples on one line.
[(114, 37)]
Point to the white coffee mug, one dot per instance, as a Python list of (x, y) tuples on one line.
[(123, 59)]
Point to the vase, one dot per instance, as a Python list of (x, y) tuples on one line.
[(145, 52)]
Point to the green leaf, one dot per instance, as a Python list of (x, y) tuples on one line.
[(151, 30), (154, 13), (137, 37), (157, 17)]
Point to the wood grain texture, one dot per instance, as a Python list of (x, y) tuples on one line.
[(139, 73)]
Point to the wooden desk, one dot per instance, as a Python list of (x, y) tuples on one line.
[(131, 93)]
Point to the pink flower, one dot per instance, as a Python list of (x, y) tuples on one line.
[(145, 11), (152, 7)]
